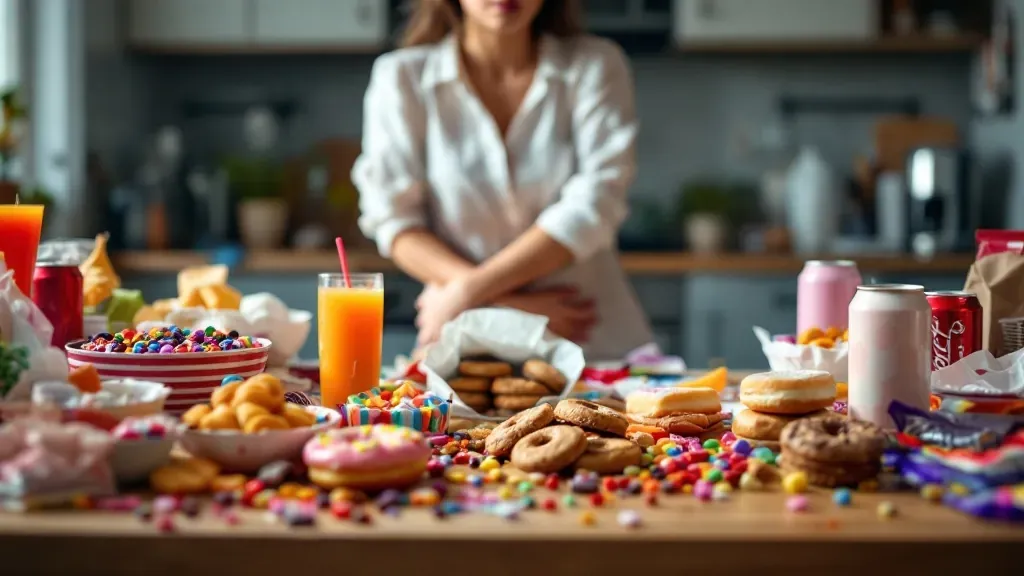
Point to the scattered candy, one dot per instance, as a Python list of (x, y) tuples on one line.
[(932, 492), (569, 501), (886, 510), (165, 524), (628, 518), (795, 483), (588, 518), (798, 503), (842, 497), (275, 473), (168, 340)]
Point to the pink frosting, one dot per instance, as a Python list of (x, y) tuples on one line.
[(365, 448)]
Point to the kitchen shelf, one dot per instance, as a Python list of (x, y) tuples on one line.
[(894, 45), (636, 263)]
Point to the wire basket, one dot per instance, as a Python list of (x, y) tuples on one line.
[(1013, 334)]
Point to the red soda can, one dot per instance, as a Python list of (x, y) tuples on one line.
[(956, 326), (57, 291)]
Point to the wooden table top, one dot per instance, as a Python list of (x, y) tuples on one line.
[(638, 263), (679, 531)]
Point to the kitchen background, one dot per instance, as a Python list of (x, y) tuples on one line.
[(194, 129)]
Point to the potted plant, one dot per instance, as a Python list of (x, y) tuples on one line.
[(704, 209), (262, 211)]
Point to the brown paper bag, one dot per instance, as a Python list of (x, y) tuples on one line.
[(998, 280)]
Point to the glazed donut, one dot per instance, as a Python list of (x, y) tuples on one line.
[(658, 402), (500, 441), (549, 449), (788, 392), (753, 425), (832, 450), (591, 416), (366, 457)]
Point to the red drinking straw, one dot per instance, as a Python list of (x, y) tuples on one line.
[(344, 261)]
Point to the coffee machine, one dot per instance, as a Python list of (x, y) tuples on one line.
[(942, 211)]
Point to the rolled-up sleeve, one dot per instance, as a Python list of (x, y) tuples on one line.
[(592, 205), (389, 172)]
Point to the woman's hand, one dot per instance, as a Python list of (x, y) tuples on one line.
[(569, 315), (438, 305)]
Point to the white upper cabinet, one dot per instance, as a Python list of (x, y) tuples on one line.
[(185, 25), (352, 23), (737, 21), (189, 22)]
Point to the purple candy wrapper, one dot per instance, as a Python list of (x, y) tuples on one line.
[(953, 430), (995, 504)]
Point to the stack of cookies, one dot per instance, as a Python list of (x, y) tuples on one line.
[(682, 411), (485, 385), (774, 399)]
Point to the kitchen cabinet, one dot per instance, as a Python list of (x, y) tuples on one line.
[(258, 25), (726, 22), (359, 23), (189, 22)]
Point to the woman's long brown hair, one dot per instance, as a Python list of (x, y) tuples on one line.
[(432, 20)]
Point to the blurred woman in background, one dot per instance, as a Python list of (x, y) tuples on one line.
[(498, 148)]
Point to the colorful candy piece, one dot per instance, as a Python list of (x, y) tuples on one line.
[(169, 340)]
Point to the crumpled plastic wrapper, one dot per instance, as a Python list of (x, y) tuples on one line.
[(47, 463), (788, 356), (24, 329), (114, 393), (982, 374)]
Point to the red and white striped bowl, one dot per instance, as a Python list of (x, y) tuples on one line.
[(191, 376)]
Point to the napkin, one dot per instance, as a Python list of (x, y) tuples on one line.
[(506, 334), (982, 374), (788, 356)]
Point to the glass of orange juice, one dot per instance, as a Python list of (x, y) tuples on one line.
[(20, 228), (350, 322)]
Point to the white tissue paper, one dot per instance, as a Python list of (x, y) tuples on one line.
[(982, 374), (786, 356), (506, 334)]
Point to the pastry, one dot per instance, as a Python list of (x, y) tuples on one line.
[(593, 416), (258, 393), (608, 455), (516, 401), (485, 368), (681, 424), (366, 457), (297, 416), (545, 374), (788, 392), (224, 394), (263, 422), (658, 402), (500, 441), (220, 418), (549, 449), (192, 476), (510, 385), (832, 450), (247, 411), (754, 425), (470, 384), (195, 414)]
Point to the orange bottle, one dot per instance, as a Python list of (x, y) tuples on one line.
[(350, 322)]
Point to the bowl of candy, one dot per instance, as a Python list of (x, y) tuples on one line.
[(141, 446), (249, 422), (192, 363)]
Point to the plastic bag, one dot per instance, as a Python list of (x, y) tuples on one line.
[(65, 251), (25, 333)]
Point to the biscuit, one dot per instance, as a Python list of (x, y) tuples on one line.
[(788, 391), (658, 402), (192, 476), (470, 384), (510, 385), (549, 449), (500, 441), (608, 455), (516, 401), (545, 374), (485, 368), (475, 399), (760, 426), (593, 416)]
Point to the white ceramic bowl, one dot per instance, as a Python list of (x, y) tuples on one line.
[(133, 460), (288, 336), (239, 452)]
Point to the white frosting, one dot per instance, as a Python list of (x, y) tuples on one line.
[(770, 397)]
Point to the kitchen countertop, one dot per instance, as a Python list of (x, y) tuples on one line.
[(637, 263)]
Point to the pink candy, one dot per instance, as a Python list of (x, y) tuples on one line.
[(797, 503)]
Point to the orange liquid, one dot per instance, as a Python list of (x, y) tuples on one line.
[(20, 227), (351, 324)]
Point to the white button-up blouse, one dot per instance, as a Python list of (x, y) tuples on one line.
[(433, 157)]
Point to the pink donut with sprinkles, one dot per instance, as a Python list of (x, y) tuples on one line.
[(366, 457)]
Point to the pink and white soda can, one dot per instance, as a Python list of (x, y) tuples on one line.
[(890, 350), (823, 294)]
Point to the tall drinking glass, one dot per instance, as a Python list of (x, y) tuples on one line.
[(20, 228), (350, 321)]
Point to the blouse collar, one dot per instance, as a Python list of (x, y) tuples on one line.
[(443, 63)]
